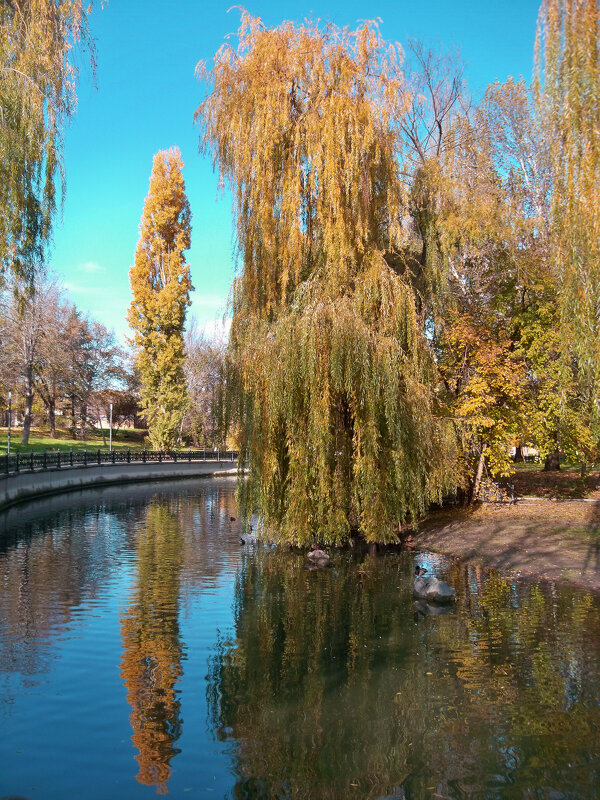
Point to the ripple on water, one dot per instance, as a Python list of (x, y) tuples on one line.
[(142, 650)]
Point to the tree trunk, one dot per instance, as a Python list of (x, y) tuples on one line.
[(180, 433), (519, 458), (83, 421), (478, 475), (51, 408), (73, 418), (102, 430), (28, 405), (552, 461)]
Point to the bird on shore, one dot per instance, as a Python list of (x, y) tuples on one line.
[(431, 588)]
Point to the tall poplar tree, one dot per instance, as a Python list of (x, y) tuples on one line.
[(161, 285), (330, 375)]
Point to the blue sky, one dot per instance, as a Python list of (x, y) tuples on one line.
[(145, 96)]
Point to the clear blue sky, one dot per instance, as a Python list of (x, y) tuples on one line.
[(145, 97)]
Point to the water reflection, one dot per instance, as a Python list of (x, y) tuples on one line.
[(152, 649), (333, 689), (71, 567), (47, 578), (323, 684)]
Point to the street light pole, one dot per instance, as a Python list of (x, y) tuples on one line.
[(9, 421), (110, 427)]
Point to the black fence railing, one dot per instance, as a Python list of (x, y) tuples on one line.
[(33, 462)]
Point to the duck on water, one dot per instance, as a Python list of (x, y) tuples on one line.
[(432, 589)]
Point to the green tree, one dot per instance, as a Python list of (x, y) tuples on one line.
[(556, 412), (331, 377), (558, 417), (567, 88), (38, 77), (461, 263), (161, 285)]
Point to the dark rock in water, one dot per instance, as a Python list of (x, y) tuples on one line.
[(231, 519), (318, 557), (431, 589)]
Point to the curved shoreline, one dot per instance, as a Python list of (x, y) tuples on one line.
[(26, 486), (547, 539)]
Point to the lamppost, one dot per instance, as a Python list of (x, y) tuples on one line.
[(110, 427), (9, 421)]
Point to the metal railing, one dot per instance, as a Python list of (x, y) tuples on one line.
[(15, 463)]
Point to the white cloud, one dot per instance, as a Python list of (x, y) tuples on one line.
[(90, 266)]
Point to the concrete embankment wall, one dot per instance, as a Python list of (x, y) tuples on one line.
[(30, 485)]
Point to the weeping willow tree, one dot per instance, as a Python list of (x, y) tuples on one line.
[(330, 375), (39, 40), (568, 94)]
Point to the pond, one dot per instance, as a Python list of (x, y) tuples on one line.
[(143, 651)]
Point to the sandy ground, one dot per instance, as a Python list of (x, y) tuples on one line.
[(553, 539)]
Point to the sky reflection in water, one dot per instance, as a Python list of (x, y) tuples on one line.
[(143, 651)]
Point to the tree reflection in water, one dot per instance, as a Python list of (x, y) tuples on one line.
[(334, 688), (327, 687), (152, 649)]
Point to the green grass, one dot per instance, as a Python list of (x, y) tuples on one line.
[(530, 480), (528, 466), (39, 440), (537, 466)]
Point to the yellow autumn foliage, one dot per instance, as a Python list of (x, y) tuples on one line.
[(330, 375), (161, 284)]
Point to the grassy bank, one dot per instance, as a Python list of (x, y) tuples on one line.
[(530, 480), (39, 440)]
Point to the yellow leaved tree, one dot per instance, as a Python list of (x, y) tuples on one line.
[(161, 285), (330, 374)]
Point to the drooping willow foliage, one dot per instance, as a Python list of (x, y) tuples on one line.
[(330, 373), (39, 40), (568, 95)]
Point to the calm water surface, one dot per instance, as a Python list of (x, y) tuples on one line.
[(144, 652)]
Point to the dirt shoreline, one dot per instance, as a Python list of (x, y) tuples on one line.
[(556, 540)]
